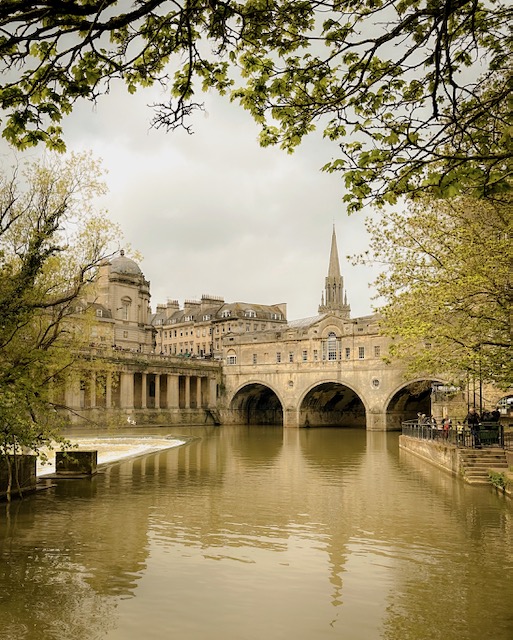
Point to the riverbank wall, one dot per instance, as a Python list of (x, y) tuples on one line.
[(101, 418), (455, 460)]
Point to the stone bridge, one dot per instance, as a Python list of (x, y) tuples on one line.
[(366, 394)]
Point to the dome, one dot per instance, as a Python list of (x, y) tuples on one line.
[(125, 266)]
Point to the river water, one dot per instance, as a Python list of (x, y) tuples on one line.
[(260, 533)]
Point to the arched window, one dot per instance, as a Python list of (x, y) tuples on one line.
[(332, 346), (231, 357)]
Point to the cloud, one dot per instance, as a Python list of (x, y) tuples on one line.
[(214, 213)]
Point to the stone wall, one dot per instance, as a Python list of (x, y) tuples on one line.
[(447, 458)]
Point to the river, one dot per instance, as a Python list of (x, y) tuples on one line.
[(260, 533)]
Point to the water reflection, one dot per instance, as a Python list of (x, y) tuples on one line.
[(261, 532)]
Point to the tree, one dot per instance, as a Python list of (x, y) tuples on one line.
[(417, 93), (51, 243), (447, 286)]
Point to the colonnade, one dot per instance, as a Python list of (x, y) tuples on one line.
[(128, 389)]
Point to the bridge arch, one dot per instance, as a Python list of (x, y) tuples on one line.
[(332, 404), (256, 403), (408, 400)]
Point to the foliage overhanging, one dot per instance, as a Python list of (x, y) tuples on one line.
[(417, 94)]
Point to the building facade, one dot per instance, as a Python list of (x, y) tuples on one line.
[(198, 329)]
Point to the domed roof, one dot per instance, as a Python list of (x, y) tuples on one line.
[(125, 266)]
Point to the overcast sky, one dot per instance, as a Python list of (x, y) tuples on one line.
[(213, 213)]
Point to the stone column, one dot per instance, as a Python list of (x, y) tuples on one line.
[(92, 390), (212, 393), (144, 390), (157, 391), (172, 391), (187, 392), (72, 392), (126, 397), (199, 404), (108, 391)]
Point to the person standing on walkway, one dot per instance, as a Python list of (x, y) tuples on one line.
[(473, 420)]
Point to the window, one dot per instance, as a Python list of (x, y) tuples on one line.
[(291, 356), (207, 317), (305, 355), (377, 351), (278, 356), (231, 358), (247, 326), (254, 358), (99, 313), (348, 353), (226, 313), (125, 334), (187, 318), (332, 346), (361, 353), (316, 355), (249, 313), (125, 307)]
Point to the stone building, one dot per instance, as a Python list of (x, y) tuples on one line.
[(330, 336), (121, 304), (238, 362), (198, 329)]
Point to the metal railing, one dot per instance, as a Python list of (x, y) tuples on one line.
[(490, 434)]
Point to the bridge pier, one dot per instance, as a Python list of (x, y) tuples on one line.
[(376, 421), (291, 418)]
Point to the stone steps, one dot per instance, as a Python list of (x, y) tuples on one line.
[(476, 463)]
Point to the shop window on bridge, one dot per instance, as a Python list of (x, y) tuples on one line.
[(231, 357)]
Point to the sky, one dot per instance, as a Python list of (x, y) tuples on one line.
[(214, 213)]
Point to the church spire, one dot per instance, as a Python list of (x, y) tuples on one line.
[(333, 299), (334, 268)]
